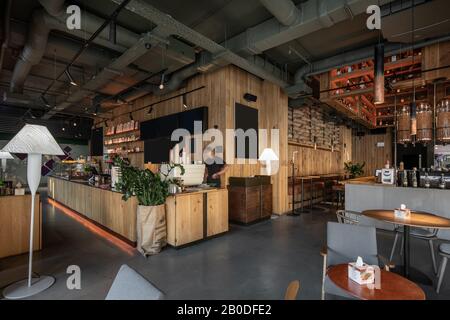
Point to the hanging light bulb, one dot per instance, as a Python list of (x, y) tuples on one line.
[(69, 76), (161, 86), (413, 114), (184, 102)]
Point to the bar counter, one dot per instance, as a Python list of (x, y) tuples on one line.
[(191, 216), (365, 195)]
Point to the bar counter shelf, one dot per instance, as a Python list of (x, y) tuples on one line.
[(194, 215)]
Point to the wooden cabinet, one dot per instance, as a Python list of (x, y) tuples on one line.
[(250, 203), (196, 216), (217, 212), (15, 215)]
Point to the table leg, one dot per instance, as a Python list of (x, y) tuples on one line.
[(406, 251)]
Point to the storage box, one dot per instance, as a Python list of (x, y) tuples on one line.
[(364, 274)]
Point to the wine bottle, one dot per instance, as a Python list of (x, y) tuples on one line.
[(442, 182)]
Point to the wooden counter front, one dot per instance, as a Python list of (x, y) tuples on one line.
[(104, 207), (15, 215), (196, 216)]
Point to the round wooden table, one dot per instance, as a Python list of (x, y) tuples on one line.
[(393, 286), (417, 219)]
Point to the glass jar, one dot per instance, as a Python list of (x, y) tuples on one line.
[(443, 121), (424, 122), (404, 125)]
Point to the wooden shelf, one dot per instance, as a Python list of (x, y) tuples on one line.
[(120, 133), (119, 143)]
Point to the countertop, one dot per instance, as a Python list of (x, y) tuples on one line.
[(107, 187)]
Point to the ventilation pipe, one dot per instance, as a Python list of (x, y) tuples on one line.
[(54, 18), (284, 11), (202, 63)]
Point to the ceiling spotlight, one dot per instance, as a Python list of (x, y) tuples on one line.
[(161, 86), (63, 129), (96, 110), (71, 80), (74, 124)]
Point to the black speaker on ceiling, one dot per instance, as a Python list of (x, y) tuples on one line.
[(250, 97)]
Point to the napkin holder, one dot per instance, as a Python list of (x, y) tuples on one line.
[(361, 272), (402, 212)]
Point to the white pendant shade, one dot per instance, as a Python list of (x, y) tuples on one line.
[(268, 155), (34, 139), (5, 155)]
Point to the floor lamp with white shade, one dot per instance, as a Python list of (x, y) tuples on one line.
[(34, 140), (267, 156), (5, 156)]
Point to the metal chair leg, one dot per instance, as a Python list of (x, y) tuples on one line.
[(441, 273), (433, 256), (402, 246), (394, 246)]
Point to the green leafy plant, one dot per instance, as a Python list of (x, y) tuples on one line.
[(354, 169), (149, 188)]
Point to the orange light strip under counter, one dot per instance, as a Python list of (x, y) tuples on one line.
[(94, 228)]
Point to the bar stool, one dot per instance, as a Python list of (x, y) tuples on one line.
[(339, 191), (444, 251)]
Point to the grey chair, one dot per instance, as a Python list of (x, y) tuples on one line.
[(444, 251), (345, 242), (349, 217), (130, 285), (428, 235)]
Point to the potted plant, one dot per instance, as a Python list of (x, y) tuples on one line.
[(354, 170), (151, 191)]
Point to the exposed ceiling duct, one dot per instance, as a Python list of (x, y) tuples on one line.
[(284, 11), (101, 79), (218, 51), (54, 18), (310, 16)]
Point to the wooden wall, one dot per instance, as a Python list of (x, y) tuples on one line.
[(224, 88), (365, 150)]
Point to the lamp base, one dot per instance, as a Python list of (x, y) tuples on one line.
[(20, 289)]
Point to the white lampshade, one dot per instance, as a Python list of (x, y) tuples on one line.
[(268, 155), (5, 155), (34, 139)]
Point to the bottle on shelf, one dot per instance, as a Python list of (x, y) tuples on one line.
[(405, 179), (427, 180), (442, 182), (414, 178)]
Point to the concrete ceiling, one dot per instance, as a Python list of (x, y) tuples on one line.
[(218, 20)]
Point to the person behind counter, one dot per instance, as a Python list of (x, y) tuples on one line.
[(215, 168)]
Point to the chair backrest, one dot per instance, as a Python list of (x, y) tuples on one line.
[(130, 285), (292, 290), (345, 242), (344, 217)]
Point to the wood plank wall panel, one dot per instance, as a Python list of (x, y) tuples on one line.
[(365, 150), (223, 88)]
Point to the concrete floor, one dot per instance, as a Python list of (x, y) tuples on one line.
[(255, 262)]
